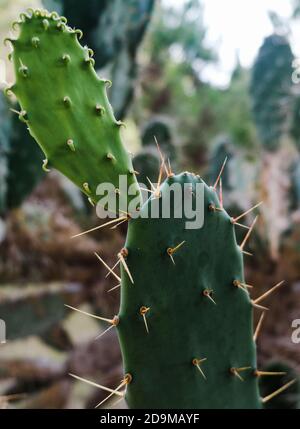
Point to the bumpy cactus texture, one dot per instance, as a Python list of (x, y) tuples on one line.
[(184, 324), (70, 117), (272, 107), (114, 29)]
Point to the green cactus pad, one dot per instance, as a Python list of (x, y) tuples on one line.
[(66, 105), (185, 324)]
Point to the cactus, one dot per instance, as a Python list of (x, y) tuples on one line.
[(183, 300), (222, 149), (160, 129), (20, 160), (273, 110), (114, 29), (271, 86), (294, 197), (146, 163), (24, 165), (78, 96), (185, 321), (238, 177), (5, 127)]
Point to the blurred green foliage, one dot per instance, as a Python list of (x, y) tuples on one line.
[(176, 53)]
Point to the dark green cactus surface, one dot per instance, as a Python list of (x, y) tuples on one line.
[(147, 163), (158, 128), (24, 164), (272, 107), (71, 117), (183, 322)]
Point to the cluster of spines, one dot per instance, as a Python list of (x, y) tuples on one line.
[(144, 311)]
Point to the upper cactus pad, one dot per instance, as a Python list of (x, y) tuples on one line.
[(71, 117)]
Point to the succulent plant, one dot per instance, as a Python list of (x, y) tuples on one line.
[(186, 313)]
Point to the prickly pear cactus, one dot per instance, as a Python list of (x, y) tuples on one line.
[(271, 86), (222, 149), (5, 129), (158, 128), (294, 196), (185, 321), (147, 163), (187, 312), (71, 118), (114, 29), (24, 164), (20, 159)]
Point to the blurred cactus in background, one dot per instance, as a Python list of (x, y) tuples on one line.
[(273, 110), (147, 161), (160, 129), (20, 159), (271, 91), (239, 175), (5, 125)]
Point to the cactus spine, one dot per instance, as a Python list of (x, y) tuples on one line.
[(185, 321)]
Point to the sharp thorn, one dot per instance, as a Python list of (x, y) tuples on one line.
[(111, 321), (91, 383), (143, 311), (113, 288), (241, 225), (197, 363), (100, 226), (278, 391), (221, 193), (258, 327), (220, 174), (116, 391), (260, 307), (258, 373), (109, 272), (266, 294), (104, 332), (234, 220), (123, 262), (248, 233), (109, 269)]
